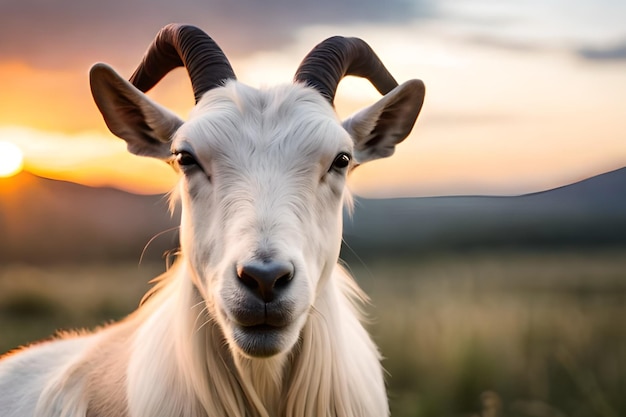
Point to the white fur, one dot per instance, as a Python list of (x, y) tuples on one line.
[(266, 186), (179, 365)]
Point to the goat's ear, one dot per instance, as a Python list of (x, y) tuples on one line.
[(377, 129), (146, 126)]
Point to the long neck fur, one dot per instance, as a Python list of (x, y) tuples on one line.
[(182, 366)]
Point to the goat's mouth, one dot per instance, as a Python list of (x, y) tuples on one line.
[(261, 335), (260, 340), (258, 329)]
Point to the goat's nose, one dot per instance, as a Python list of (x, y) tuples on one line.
[(266, 279)]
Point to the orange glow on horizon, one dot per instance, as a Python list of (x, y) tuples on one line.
[(152, 180), (11, 159), (89, 158)]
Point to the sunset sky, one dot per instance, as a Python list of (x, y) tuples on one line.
[(521, 96)]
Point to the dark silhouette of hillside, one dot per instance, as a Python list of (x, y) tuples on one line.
[(591, 212), (44, 221)]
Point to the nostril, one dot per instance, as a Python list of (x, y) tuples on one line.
[(266, 278), (284, 280), (247, 280)]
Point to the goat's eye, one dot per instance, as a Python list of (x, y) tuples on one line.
[(341, 161), (185, 160)]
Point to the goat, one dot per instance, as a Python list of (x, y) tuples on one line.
[(255, 318)]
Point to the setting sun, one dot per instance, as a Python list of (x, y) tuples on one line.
[(11, 159)]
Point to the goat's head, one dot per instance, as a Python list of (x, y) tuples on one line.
[(263, 172)]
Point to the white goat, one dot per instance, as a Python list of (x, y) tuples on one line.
[(255, 319)]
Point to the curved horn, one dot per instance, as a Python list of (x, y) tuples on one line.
[(338, 57), (183, 45)]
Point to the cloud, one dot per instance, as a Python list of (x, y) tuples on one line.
[(55, 34), (612, 53), (510, 44)]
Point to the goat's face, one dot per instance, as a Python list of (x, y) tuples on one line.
[(262, 183)]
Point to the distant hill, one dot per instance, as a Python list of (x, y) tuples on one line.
[(588, 213), (43, 221)]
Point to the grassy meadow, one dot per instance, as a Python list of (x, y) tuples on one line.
[(491, 333)]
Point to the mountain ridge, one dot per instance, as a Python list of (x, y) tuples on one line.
[(50, 221), (588, 212), (46, 220)]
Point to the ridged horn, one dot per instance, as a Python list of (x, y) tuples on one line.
[(183, 45), (336, 57)]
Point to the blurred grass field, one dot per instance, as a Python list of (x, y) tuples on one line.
[(493, 333)]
